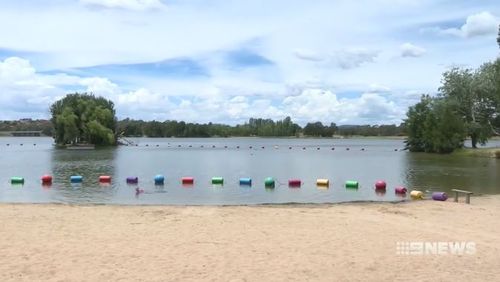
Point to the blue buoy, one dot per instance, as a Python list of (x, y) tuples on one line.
[(159, 179), (246, 181), (76, 179)]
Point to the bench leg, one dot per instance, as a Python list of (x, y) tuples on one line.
[(456, 197), (467, 199)]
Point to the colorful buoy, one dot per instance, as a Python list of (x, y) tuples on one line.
[(417, 195), (105, 179), (218, 180), (246, 181), (46, 179), (439, 196), (400, 190), (351, 184), (269, 182), (380, 185), (294, 183), (132, 180), (322, 182), (17, 180), (76, 179), (187, 180), (159, 179)]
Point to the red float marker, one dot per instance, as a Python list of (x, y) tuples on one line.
[(294, 183), (47, 179), (380, 185), (187, 180), (105, 179), (400, 190)]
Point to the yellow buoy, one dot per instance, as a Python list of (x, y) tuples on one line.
[(417, 195), (322, 182)]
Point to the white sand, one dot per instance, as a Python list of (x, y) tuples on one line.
[(264, 243)]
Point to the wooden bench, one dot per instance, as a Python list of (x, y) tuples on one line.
[(467, 195)]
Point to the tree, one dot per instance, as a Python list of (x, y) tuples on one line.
[(415, 125), (84, 118), (472, 92), (434, 125)]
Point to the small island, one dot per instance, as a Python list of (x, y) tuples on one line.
[(83, 121)]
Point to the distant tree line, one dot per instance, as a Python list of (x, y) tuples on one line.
[(254, 127), (28, 125)]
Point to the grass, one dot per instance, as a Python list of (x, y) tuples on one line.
[(480, 152)]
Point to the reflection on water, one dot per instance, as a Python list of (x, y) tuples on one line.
[(363, 160), (90, 164), (446, 172)]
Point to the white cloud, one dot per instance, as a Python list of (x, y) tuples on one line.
[(323, 105), (479, 24), (15, 68), (410, 50), (136, 5), (353, 58)]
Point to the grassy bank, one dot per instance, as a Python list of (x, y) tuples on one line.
[(480, 152)]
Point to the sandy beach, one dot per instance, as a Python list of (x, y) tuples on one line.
[(248, 243)]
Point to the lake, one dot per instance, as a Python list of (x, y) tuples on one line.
[(364, 160)]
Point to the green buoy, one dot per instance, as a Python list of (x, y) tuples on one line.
[(269, 182), (217, 180), (351, 184), (16, 180)]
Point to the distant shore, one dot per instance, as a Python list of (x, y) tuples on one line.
[(339, 242)]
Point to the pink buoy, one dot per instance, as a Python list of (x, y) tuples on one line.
[(400, 190), (294, 182), (439, 196), (380, 185), (46, 179)]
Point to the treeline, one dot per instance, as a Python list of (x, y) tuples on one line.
[(254, 127), (28, 125), (170, 128)]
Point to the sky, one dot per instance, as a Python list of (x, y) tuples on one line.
[(224, 61)]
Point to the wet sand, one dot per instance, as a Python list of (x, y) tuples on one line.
[(340, 242)]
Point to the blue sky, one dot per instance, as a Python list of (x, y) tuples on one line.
[(349, 62)]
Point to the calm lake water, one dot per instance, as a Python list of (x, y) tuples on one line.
[(366, 161)]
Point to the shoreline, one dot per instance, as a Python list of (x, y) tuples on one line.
[(319, 242)]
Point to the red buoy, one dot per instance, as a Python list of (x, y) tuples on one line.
[(105, 179), (400, 190), (380, 185), (294, 182), (187, 180), (47, 179)]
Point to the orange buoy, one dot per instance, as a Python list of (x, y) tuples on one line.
[(105, 179)]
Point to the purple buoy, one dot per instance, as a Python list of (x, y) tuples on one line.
[(439, 196), (132, 179)]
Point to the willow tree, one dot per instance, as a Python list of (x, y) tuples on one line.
[(434, 125), (84, 118)]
